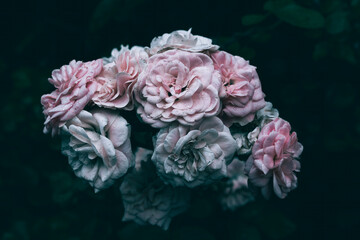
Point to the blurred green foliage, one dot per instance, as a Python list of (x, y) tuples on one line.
[(294, 14), (307, 54), (332, 24)]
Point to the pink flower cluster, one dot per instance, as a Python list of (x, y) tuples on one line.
[(176, 85), (210, 112)]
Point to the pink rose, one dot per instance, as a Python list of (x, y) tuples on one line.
[(274, 157), (116, 82), (242, 85), (178, 86), (75, 87)]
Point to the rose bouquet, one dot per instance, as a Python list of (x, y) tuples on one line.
[(204, 111)]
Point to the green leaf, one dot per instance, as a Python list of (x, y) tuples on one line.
[(247, 53), (346, 52), (330, 6), (355, 3), (261, 37), (252, 19), (272, 5), (337, 22), (321, 50), (296, 15), (8, 236)]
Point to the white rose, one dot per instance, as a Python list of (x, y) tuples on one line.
[(193, 156), (183, 40), (97, 144)]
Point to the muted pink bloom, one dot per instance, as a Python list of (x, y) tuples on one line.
[(178, 86), (75, 87), (242, 85), (273, 160), (116, 82)]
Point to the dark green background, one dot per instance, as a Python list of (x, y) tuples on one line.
[(307, 54)]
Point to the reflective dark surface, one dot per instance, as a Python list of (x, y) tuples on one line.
[(308, 61)]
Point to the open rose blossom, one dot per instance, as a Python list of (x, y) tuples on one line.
[(97, 144), (116, 81), (242, 85), (193, 156), (273, 160), (75, 87), (147, 200), (236, 192), (183, 40), (178, 86)]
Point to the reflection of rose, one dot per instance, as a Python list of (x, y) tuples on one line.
[(75, 87), (98, 146), (236, 192), (178, 86), (193, 156), (183, 40), (116, 82), (243, 88), (147, 200), (273, 160)]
